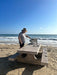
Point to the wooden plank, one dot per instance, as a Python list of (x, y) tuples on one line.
[(44, 60), (13, 57), (29, 49), (29, 59)]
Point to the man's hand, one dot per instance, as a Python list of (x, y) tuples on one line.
[(28, 36), (21, 42)]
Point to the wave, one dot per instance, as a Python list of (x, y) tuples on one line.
[(41, 40), (16, 38), (9, 37), (47, 39)]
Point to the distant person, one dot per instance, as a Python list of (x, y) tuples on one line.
[(21, 37)]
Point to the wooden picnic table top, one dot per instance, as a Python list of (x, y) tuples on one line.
[(29, 49)]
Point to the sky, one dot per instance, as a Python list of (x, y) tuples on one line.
[(38, 16)]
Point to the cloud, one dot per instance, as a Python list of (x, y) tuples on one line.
[(41, 28)]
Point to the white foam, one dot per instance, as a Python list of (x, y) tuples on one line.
[(14, 40), (48, 42)]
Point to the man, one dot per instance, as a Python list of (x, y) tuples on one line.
[(22, 36)]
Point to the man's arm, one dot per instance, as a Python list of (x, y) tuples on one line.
[(20, 40), (28, 36)]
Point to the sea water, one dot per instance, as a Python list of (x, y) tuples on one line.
[(48, 40)]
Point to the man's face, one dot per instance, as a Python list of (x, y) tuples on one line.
[(25, 31)]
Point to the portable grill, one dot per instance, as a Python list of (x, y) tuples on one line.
[(34, 42)]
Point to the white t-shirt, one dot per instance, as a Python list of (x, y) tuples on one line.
[(22, 36)]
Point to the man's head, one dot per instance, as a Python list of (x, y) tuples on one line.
[(24, 30)]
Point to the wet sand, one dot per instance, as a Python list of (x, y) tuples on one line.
[(14, 68)]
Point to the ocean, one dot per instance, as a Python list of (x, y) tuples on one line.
[(43, 39)]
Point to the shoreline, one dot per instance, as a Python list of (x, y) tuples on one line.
[(27, 43)]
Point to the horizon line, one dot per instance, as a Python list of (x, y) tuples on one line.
[(28, 34)]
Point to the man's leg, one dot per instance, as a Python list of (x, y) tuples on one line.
[(23, 54)]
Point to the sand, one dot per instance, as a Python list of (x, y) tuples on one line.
[(14, 68)]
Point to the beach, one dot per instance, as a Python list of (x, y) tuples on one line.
[(28, 37), (14, 68)]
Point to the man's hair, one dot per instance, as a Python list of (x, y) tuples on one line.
[(24, 29)]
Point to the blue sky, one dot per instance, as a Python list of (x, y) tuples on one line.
[(38, 16)]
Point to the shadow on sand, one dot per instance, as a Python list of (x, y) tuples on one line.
[(6, 66)]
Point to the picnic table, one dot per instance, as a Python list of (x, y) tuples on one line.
[(33, 55), (30, 49)]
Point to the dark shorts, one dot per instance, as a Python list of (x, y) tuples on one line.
[(21, 45), (23, 54)]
